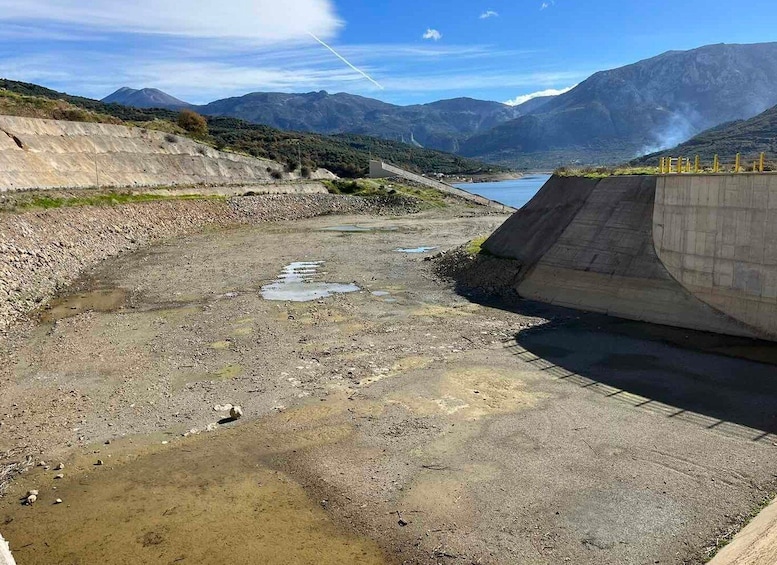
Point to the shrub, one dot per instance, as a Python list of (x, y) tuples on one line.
[(305, 172), (170, 138), (193, 123), (276, 175)]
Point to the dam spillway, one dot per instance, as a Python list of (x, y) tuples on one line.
[(692, 251)]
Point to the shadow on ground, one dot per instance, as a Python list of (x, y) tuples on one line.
[(718, 382)]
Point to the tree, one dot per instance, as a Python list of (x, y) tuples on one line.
[(193, 123)]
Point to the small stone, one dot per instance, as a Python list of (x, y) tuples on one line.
[(32, 493), (59, 476), (30, 500), (59, 467), (41, 463), (107, 442), (58, 501), (99, 462), (236, 412)]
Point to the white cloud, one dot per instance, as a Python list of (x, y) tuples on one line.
[(489, 14), (432, 34), (262, 21), (518, 100), (547, 4)]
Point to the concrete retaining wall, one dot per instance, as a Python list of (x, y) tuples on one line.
[(691, 251), (717, 236), (37, 153)]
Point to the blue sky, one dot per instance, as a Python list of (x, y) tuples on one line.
[(416, 51)]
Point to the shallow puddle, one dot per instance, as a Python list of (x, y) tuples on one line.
[(423, 249), (208, 499), (296, 284), (103, 300)]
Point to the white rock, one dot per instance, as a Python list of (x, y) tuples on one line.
[(30, 500), (236, 412), (5, 553), (32, 493), (58, 501), (60, 476), (59, 467)]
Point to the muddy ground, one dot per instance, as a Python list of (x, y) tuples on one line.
[(400, 423)]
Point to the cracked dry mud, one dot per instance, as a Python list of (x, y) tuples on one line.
[(400, 423)]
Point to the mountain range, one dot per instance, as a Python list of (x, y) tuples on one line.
[(441, 125), (613, 116), (346, 155), (656, 103), (145, 98)]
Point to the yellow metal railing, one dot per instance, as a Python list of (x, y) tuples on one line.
[(683, 165)]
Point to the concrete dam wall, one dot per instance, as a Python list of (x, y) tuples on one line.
[(693, 251), (37, 153)]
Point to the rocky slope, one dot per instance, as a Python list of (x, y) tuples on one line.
[(37, 153)]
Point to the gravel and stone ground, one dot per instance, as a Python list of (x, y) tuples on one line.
[(404, 422)]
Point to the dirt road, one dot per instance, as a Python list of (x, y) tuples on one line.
[(397, 423)]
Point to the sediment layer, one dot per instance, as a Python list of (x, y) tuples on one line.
[(43, 251)]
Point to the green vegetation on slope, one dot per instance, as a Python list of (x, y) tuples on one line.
[(373, 187), (603, 172), (748, 137), (344, 155), (14, 104)]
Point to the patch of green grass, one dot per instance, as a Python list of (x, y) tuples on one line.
[(475, 247), (102, 199), (603, 172)]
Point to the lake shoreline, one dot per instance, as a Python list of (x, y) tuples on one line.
[(512, 192)]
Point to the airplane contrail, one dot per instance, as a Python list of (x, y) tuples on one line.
[(344, 60)]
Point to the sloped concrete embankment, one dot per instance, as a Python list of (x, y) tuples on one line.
[(36, 153), (43, 251), (589, 244)]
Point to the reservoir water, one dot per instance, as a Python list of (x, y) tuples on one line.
[(515, 192)]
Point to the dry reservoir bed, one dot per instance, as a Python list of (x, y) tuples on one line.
[(388, 419)]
